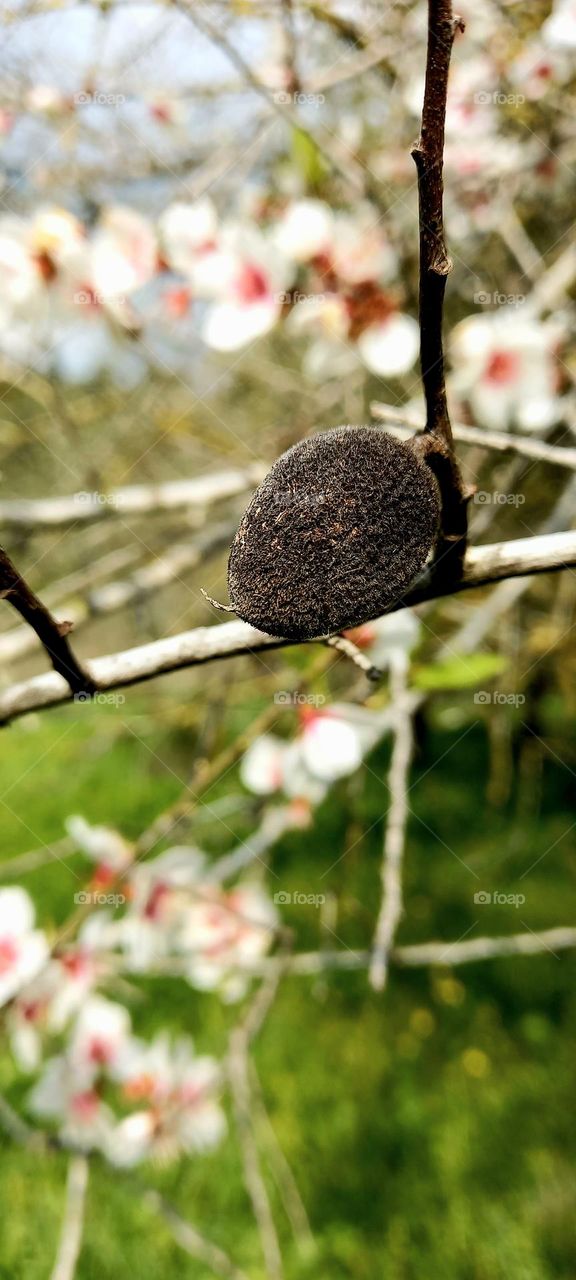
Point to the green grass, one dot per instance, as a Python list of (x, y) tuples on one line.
[(431, 1132)]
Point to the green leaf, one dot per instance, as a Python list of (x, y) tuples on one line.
[(462, 671), (307, 159)]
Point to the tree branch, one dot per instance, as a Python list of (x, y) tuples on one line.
[(394, 839), (549, 941), (403, 423), (132, 500), (73, 1221), (52, 634), (437, 445), (163, 570), (482, 566), (192, 1241)]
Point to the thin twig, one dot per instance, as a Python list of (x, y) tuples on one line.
[(192, 1241), (438, 952), (404, 423), (34, 858), (547, 941), (162, 571), (132, 500), (73, 1221), (239, 1076), (437, 443), (255, 1185), (52, 634), (428, 154), (394, 839), (351, 651), (280, 1168)]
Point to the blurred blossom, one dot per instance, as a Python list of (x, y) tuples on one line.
[(262, 766), (174, 1092), (23, 949), (254, 289), (331, 744), (389, 348), (101, 844), (489, 157), (305, 231), (46, 99), (62, 1095), (45, 1006), (159, 892), (222, 933), (330, 747), (559, 29), (388, 640), (188, 233), (174, 910), (360, 250), (504, 366), (179, 1110), (99, 1036), (124, 257), (538, 68)]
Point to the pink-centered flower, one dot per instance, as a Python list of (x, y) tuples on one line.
[(504, 366), (67, 1096), (189, 238), (124, 257), (178, 1110), (224, 931), (254, 278), (559, 29), (23, 949), (99, 1036)]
